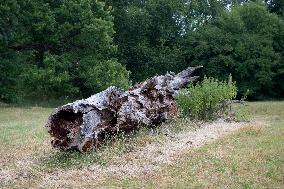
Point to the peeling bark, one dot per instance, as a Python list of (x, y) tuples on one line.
[(82, 124)]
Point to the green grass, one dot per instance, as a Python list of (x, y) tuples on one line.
[(253, 157), (21, 125)]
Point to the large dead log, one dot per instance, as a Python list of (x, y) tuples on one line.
[(82, 124)]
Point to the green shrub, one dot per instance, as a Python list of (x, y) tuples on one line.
[(54, 80), (101, 75), (207, 99), (62, 78)]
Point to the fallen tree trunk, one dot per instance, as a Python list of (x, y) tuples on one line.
[(82, 124)]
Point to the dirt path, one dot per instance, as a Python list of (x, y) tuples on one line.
[(145, 160)]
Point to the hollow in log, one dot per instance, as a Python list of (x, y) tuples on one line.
[(82, 124)]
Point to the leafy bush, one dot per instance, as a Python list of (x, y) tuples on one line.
[(51, 81), (60, 78), (207, 99), (101, 75), (10, 69)]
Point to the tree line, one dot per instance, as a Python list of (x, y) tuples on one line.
[(72, 49)]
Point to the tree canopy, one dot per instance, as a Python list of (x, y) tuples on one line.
[(250, 49), (57, 44), (72, 49)]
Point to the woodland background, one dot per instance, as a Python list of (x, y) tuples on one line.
[(70, 49)]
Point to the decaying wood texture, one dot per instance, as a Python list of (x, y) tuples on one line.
[(83, 124)]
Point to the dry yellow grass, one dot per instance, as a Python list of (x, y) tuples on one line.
[(253, 157)]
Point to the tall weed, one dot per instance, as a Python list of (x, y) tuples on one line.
[(208, 99)]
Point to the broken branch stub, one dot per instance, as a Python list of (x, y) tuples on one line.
[(82, 124)]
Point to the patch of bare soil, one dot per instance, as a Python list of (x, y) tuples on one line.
[(143, 161)]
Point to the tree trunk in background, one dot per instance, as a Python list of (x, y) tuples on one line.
[(83, 124)]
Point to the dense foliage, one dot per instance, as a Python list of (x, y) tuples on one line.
[(241, 38), (250, 49), (57, 48), (72, 49), (207, 99), (149, 33)]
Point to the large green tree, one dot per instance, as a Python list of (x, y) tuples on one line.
[(246, 42), (62, 46), (149, 33)]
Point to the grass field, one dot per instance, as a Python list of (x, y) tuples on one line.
[(252, 157)]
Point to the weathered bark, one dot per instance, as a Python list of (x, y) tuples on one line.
[(82, 124)]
